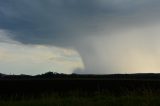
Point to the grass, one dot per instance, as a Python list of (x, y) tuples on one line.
[(79, 99)]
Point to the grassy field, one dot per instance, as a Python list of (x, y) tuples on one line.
[(147, 98), (80, 92)]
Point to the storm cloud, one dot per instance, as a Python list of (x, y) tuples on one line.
[(100, 30), (60, 22)]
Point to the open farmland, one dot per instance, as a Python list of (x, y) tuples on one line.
[(112, 90)]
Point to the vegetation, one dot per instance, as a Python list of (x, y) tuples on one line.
[(54, 75), (98, 99), (55, 89)]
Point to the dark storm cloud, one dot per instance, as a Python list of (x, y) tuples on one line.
[(46, 21), (60, 22), (68, 23)]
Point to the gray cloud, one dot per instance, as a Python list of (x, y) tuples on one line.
[(72, 23), (59, 21)]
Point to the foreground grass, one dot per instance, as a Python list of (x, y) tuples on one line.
[(99, 99)]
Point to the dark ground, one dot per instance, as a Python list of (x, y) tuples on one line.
[(18, 86), (53, 89), (8, 88)]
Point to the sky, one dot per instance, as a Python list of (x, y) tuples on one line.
[(79, 36)]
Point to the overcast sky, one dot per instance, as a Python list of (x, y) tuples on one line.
[(81, 36)]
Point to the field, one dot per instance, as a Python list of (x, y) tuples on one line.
[(52, 89), (80, 92), (97, 100)]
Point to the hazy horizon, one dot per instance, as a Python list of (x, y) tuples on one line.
[(79, 36)]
